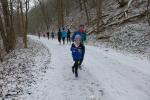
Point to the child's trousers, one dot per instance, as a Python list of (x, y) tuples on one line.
[(75, 68)]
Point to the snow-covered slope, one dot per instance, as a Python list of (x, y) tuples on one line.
[(106, 75), (132, 36), (21, 69)]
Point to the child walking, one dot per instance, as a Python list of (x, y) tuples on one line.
[(77, 53)]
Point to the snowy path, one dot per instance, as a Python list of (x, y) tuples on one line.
[(106, 75)]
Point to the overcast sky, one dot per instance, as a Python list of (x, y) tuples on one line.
[(32, 3)]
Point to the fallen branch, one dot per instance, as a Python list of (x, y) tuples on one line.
[(126, 19), (124, 13), (117, 22), (126, 10)]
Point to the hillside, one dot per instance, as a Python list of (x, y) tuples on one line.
[(131, 35)]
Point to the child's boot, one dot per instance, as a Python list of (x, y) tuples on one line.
[(76, 75), (73, 69)]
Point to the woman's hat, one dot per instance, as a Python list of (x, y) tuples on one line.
[(77, 37)]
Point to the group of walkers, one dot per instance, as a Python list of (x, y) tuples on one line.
[(63, 34), (47, 34), (77, 48)]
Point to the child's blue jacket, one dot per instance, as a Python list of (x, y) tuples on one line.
[(77, 52)]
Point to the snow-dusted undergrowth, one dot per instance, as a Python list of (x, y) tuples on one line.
[(23, 68), (133, 38)]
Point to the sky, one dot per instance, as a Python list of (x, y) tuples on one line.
[(32, 3)]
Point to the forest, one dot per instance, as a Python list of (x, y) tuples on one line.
[(19, 17), (111, 26)]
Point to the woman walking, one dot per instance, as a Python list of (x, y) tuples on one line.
[(59, 36), (68, 36)]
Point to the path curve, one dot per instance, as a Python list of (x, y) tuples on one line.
[(106, 75)]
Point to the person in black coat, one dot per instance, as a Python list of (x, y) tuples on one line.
[(48, 36), (39, 35), (68, 36), (59, 36)]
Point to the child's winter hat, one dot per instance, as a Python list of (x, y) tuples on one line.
[(77, 37)]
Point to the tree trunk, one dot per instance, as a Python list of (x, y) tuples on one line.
[(3, 35), (80, 4), (67, 7), (19, 30), (60, 9), (8, 26), (22, 18), (99, 15), (148, 11), (26, 24), (62, 12), (58, 12), (13, 37), (86, 11), (45, 17)]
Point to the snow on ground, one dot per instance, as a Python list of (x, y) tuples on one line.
[(21, 70), (106, 75)]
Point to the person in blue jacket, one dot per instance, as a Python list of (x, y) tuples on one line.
[(82, 34), (77, 53), (52, 35), (63, 35)]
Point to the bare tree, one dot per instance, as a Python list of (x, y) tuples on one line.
[(44, 13), (148, 11), (26, 23), (18, 27), (67, 7), (24, 20), (86, 11), (58, 13), (7, 26), (3, 32), (99, 14), (62, 12), (80, 4), (13, 36)]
